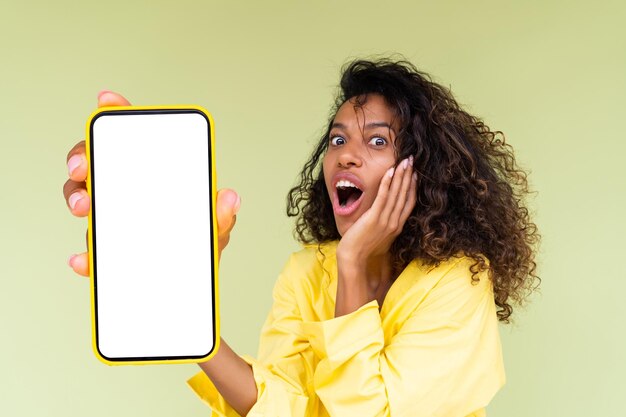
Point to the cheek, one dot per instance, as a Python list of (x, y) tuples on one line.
[(381, 171), (383, 160)]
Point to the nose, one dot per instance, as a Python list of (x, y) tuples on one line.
[(349, 157)]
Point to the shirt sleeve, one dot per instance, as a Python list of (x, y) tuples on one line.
[(445, 359), (284, 370)]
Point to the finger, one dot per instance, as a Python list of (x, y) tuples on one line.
[(383, 191), (77, 162), (403, 192), (224, 238), (76, 198), (228, 203), (411, 200), (394, 188), (80, 264), (107, 98)]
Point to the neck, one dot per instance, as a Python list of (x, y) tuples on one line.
[(379, 270)]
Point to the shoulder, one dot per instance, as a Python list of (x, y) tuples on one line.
[(459, 268), (448, 296), (312, 257), (450, 282), (464, 271), (309, 267), (459, 284)]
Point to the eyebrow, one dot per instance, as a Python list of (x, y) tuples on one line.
[(367, 126)]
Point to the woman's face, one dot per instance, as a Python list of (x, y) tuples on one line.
[(360, 151)]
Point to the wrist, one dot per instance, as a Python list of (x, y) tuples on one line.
[(352, 291), (351, 273), (349, 257)]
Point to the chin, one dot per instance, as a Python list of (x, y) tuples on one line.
[(343, 224), (343, 228)]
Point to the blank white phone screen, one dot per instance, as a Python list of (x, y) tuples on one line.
[(152, 235)]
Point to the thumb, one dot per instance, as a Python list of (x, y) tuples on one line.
[(228, 203), (108, 98)]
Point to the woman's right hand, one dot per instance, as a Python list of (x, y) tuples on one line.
[(78, 202)]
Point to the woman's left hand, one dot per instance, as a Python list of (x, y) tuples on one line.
[(374, 232)]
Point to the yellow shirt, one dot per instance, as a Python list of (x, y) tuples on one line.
[(433, 348)]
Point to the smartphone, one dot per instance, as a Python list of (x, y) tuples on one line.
[(152, 234)]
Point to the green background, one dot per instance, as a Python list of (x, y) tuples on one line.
[(550, 74)]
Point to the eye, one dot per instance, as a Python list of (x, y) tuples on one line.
[(337, 140), (378, 141)]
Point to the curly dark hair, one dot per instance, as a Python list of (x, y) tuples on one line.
[(470, 191)]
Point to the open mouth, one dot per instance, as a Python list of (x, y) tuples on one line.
[(347, 193)]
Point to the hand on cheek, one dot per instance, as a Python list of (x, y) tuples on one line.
[(374, 232)]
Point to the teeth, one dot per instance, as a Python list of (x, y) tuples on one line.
[(346, 184)]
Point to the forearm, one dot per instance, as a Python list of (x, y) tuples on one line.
[(352, 289), (233, 378)]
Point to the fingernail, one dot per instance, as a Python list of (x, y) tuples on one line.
[(405, 163), (74, 198), (237, 204), (411, 159), (415, 176), (103, 92), (73, 163), (69, 261), (390, 172)]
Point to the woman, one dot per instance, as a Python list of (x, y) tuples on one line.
[(416, 243)]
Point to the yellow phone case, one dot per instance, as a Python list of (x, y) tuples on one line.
[(216, 325)]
